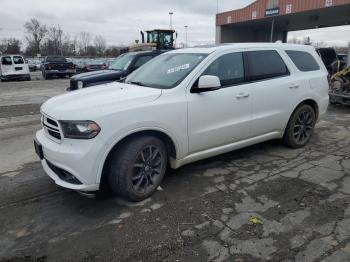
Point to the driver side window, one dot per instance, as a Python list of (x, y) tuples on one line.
[(229, 68)]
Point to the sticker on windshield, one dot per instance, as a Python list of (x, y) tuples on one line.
[(178, 68)]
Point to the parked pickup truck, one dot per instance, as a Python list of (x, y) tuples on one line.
[(57, 66), (120, 68)]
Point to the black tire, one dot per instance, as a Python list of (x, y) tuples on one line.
[(46, 76), (134, 175), (28, 78), (300, 127)]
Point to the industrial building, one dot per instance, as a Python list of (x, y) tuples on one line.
[(271, 20)]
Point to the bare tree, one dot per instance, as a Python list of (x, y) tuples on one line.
[(10, 46), (36, 33), (85, 39), (100, 44)]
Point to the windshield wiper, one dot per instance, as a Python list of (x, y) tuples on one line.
[(136, 83), (122, 79)]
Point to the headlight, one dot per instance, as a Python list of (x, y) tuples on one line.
[(80, 84), (80, 129)]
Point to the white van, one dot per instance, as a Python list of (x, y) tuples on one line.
[(13, 67)]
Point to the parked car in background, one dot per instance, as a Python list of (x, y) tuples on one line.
[(57, 66), (32, 66), (343, 58), (94, 66), (181, 107), (14, 67), (329, 58), (118, 69), (38, 65)]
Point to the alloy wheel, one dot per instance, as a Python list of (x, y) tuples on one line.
[(303, 127), (147, 169)]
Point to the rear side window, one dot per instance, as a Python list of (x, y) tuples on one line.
[(229, 68), (142, 60), (265, 65), (6, 60), (18, 60), (304, 61)]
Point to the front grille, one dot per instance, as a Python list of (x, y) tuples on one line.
[(51, 128)]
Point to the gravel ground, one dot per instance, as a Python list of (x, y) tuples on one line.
[(263, 203)]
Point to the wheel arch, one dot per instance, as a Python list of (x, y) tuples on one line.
[(309, 101), (162, 135)]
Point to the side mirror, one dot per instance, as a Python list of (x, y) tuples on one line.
[(207, 83)]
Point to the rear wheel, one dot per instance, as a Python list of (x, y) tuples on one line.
[(300, 127), (138, 167)]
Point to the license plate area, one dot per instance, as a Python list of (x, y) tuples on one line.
[(18, 68), (38, 149)]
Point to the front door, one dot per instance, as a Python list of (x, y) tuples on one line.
[(222, 116)]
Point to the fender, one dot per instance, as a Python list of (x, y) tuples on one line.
[(110, 146)]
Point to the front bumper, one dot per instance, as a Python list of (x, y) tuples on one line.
[(341, 98), (81, 158), (60, 72)]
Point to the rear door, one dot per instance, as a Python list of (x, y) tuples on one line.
[(275, 90), (6, 65), (20, 66)]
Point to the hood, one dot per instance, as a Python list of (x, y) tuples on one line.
[(98, 75), (91, 103)]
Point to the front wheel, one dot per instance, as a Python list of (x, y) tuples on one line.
[(300, 127), (137, 168)]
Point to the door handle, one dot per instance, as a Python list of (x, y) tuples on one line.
[(242, 95), (294, 86)]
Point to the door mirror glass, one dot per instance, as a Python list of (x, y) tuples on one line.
[(208, 83)]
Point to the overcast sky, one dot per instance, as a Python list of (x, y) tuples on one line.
[(120, 21)]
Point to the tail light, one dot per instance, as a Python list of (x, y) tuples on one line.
[(49, 66)]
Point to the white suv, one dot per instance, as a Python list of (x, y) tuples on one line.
[(181, 107)]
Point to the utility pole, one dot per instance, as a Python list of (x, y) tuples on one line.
[(272, 29), (171, 20), (186, 27)]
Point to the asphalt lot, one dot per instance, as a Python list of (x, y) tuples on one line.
[(202, 212)]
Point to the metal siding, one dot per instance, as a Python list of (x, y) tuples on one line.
[(245, 14)]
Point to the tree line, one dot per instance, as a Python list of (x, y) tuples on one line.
[(52, 40)]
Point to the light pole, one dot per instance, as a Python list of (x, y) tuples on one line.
[(171, 20), (186, 27)]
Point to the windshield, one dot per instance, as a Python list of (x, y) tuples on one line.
[(166, 71), (122, 62)]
